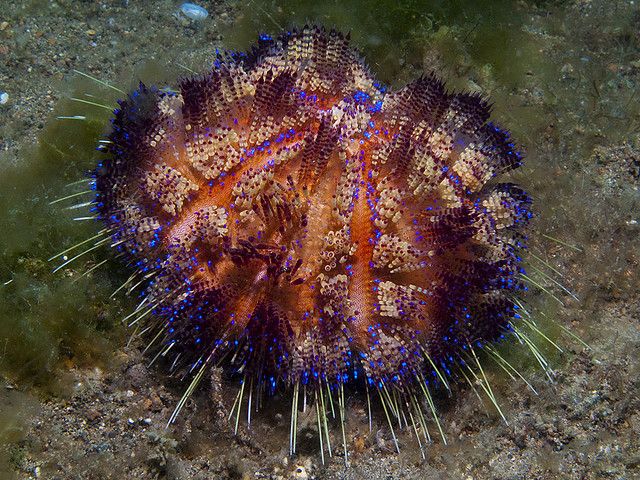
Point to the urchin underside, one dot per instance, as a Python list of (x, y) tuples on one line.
[(294, 217)]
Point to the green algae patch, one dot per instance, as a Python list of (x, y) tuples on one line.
[(51, 319), (399, 39)]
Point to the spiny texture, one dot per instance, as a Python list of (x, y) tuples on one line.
[(292, 216)]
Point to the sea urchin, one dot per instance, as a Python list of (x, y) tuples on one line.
[(292, 217)]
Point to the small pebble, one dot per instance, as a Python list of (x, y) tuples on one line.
[(4, 98), (93, 415), (300, 473), (3, 26), (194, 12)]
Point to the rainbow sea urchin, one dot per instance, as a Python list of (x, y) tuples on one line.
[(296, 222)]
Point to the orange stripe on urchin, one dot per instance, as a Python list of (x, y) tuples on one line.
[(292, 213)]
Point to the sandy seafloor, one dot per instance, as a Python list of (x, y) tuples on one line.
[(77, 400)]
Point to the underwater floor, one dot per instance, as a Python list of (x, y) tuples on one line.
[(78, 399)]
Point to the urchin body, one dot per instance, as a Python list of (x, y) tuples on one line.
[(293, 216)]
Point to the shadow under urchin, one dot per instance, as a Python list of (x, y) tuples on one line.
[(301, 225)]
